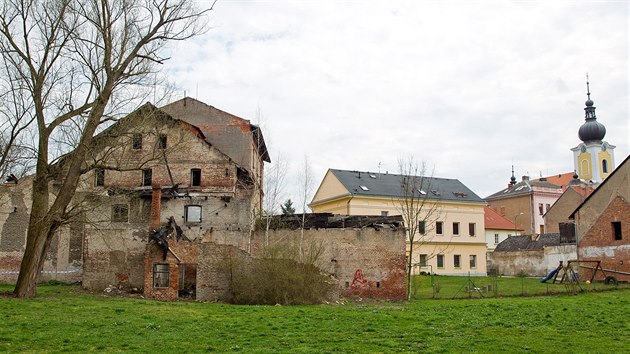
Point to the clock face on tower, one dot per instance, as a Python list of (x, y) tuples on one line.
[(583, 149)]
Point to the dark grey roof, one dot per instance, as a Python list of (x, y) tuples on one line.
[(389, 185), (525, 243), (520, 188)]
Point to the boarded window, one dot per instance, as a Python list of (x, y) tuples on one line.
[(120, 213), (161, 275), (438, 227), (147, 177), (99, 177), (193, 213), (137, 141), (616, 226), (195, 177)]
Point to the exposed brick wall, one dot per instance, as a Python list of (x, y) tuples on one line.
[(598, 243)]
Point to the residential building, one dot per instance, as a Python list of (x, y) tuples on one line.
[(524, 203), (451, 241), (498, 228)]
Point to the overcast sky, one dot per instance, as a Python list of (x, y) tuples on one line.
[(469, 87)]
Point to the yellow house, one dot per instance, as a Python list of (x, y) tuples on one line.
[(449, 242)]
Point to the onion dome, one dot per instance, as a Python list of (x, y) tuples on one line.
[(591, 130)]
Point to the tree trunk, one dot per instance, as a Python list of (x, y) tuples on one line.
[(36, 242)]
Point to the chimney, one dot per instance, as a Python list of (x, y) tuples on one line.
[(156, 204)]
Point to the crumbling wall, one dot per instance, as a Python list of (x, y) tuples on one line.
[(61, 261), (179, 254), (212, 280), (368, 262)]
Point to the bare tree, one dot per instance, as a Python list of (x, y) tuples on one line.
[(80, 64), (273, 191), (305, 178), (419, 212)]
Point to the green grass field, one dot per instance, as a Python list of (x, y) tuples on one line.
[(64, 318)]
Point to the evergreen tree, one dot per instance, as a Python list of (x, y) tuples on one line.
[(287, 208)]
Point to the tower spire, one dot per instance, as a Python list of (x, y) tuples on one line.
[(513, 178), (591, 130)]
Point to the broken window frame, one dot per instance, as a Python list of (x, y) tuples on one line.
[(161, 269), (162, 141), (195, 177), (136, 141), (187, 214), (99, 177), (120, 213), (147, 177)]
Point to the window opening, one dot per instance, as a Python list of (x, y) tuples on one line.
[(457, 261), (616, 225), (99, 177), (162, 141), (161, 275), (471, 229), (440, 261), (137, 141), (195, 177), (147, 176), (456, 228), (384, 212), (473, 261), (604, 166), (422, 229), (438, 227), (496, 239), (192, 213), (423, 260)]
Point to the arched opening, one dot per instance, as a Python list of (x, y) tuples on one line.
[(604, 166)]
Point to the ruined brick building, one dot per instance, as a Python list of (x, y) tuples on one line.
[(170, 188)]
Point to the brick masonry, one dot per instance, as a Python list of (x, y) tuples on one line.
[(599, 243)]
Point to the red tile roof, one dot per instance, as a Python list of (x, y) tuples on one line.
[(561, 179), (495, 221), (584, 191)]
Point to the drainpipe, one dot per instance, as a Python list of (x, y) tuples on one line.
[(348, 204), (156, 204)]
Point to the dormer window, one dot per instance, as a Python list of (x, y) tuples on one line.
[(364, 188)]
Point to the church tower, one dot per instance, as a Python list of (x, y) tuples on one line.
[(593, 158)]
